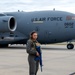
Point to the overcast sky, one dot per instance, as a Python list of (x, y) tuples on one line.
[(37, 5)]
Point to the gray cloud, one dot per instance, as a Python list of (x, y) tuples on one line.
[(34, 5)]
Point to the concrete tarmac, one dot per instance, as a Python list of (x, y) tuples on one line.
[(57, 60)]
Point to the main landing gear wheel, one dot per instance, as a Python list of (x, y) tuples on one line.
[(70, 46)]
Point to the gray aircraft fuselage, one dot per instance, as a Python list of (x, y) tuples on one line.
[(52, 27)]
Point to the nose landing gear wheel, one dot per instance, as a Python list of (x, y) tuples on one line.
[(70, 46)]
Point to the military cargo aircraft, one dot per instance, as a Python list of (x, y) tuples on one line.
[(52, 27)]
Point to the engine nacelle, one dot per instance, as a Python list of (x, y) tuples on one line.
[(7, 23)]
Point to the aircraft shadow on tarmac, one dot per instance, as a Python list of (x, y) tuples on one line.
[(24, 47), (55, 48)]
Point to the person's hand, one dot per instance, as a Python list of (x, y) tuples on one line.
[(37, 54)]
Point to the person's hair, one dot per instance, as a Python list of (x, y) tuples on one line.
[(31, 34)]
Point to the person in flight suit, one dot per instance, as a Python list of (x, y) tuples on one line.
[(32, 53)]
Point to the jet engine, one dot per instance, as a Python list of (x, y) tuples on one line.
[(7, 23)]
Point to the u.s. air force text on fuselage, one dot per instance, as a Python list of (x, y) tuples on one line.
[(47, 19), (44, 19)]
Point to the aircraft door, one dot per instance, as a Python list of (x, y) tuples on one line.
[(37, 28), (47, 36)]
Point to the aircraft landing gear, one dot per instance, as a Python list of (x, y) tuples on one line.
[(70, 46)]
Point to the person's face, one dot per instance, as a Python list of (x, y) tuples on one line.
[(34, 36)]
